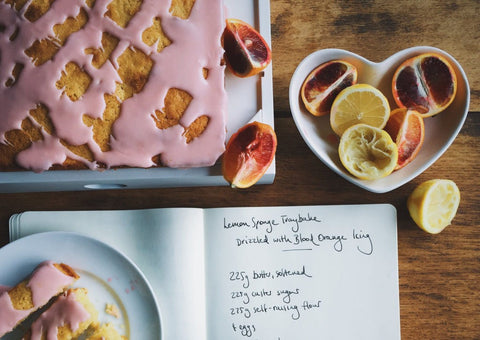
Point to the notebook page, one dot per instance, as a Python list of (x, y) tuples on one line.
[(319, 272)]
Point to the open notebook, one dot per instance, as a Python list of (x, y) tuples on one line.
[(269, 273)]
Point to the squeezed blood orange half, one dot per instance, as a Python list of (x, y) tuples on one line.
[(246, 51), (426, 83), (407, 130), (248, 154), (324, 83)]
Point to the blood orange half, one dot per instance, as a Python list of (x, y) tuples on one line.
[(246, 51), (248, 154), (426, 83)]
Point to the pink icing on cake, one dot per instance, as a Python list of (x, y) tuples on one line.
[(9, 316), (45, 282), (195, 45), (65, 311)]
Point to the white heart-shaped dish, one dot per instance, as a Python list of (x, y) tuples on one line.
[(440, 130)]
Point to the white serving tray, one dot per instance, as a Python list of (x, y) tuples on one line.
[(248, 99)]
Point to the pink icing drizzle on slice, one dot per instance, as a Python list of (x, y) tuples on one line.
[(45, 282), (9, 316), (65, 311), (136, 139)]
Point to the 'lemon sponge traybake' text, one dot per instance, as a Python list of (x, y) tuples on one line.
[(95, 84)]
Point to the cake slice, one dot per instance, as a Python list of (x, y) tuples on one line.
[(48, 280), (67, 318)]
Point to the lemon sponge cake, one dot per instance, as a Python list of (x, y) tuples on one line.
[(67, 318), (95, 84), (48, 280)]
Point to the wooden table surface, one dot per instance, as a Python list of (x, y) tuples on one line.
[(439, 274)]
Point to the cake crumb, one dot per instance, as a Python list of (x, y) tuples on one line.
[(112, 309)]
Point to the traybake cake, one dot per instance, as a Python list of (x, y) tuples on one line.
[(111, 83)]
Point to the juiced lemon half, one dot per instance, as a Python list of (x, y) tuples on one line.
[(367, 152), (433, 204)]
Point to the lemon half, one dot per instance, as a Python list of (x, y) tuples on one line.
[(433, 204), (359, 104), (367, 152)]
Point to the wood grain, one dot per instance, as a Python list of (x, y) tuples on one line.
[(375, 30)]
